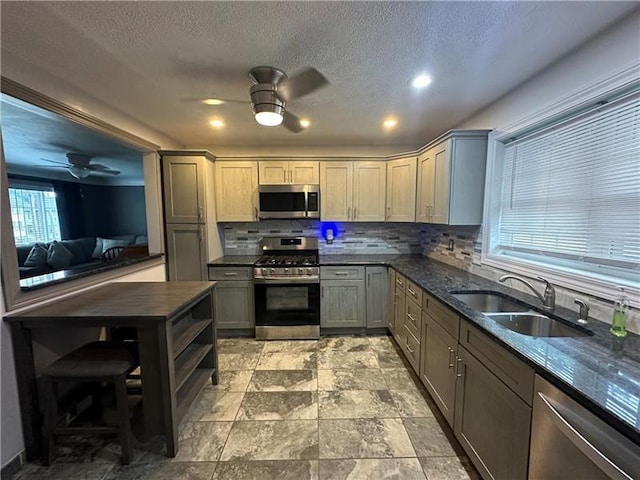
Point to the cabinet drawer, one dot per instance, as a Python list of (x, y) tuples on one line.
[(517, 375), (411, 347), (342, 273), (446, 318), (400, 283), (412, 317), (230, 273), (414, 292)]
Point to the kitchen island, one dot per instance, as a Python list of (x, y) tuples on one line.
[(176, 339)]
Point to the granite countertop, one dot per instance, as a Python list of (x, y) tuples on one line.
[(600, 371), (235, 260)]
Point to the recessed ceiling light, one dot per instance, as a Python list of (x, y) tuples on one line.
[(217, 123), (390, 123), (213, 101), (421, 81), (304, 123)]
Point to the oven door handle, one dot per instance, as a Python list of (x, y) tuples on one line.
[(285, 281)]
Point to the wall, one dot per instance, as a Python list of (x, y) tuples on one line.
[(377, 238), (30, 75), (615, 50), (113, 210)]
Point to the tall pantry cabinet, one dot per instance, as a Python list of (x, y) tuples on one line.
[(186, 214)]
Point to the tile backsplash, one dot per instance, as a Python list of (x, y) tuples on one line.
[(381, 238)]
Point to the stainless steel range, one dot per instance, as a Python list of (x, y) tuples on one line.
[(287, 288)]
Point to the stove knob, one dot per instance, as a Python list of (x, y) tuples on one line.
[(286, 270), (264, 271), (309, 271), (273, 270)]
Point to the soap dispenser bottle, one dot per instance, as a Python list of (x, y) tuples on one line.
[(619, 321)]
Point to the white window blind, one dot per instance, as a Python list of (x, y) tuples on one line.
[(34, 213), (568, 196)]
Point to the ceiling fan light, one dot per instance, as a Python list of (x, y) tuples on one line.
[(269, 119), (79, 173)]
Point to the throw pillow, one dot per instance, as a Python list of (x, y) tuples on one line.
[(97, 252), (37, 256), (107, 243), (58, 256)]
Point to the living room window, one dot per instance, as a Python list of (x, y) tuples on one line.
[(34, 213), (563, 198)]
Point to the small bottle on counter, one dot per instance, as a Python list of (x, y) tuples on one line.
[(619, 321)]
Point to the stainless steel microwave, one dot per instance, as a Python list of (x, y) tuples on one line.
[(289, 201)]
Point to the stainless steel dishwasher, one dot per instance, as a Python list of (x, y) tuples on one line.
[(568, 441)]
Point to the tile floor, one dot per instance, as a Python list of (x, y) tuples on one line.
[(337, 408)]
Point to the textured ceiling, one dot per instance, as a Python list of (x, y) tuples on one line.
[(145, 58)]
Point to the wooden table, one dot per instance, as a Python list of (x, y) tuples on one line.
[(176, 338)]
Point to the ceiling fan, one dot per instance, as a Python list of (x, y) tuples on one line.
[(271, 91), (79, 166)]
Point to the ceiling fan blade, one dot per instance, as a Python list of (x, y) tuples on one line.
[(109, 172), (291, 122), (214, 97), (64, 164), (302, 83)]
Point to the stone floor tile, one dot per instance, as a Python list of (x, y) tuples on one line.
[(279, 406), (202, 441), (240, 345), (389, 359), (287, 361), (272, 440), (267, 470), (428, 438), (283, 381), (344, 344), (237, 361), (361, 379), (371, 469), (163, 471), (216, 406), (356, 404), (63, 471), (364, 438), (411, 403), (383, 343), (232, 381), (336, 359), (290, 346), (449, 468), (400, 379)]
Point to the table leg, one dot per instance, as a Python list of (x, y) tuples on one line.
[(27, 390), (155, 345)]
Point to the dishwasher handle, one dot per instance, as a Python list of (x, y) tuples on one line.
[(581, 443)]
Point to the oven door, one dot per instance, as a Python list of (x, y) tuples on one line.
[(287, 305), (282, 201)]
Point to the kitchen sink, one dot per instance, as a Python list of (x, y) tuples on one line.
[(535, 325), (490, 302), (516, 316)]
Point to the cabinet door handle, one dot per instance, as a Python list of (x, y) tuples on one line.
[(458, 367), (348, 213), (451, 362), (409, 348), (291, 176), (200, 215), (322, 292), (412, 318), (355, 213), (399, 282), (256, 212), (341, 274), (230, 274), (411, 291), (369, 280)]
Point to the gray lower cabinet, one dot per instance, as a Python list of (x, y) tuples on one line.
[(186, 252), (376, 278), (342, 304), (491, 422), (399, 332), (234, 298), (437, 365), (391, 298)]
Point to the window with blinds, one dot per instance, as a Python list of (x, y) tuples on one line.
[(34, 213), (567, 196)]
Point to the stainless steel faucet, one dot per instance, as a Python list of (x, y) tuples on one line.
[(583, 317), (549, 298)]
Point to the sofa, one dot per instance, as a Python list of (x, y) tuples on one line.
[(85, 253)]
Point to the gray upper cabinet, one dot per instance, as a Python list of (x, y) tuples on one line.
[(186, 252), (376, 278), (451, 176), (184, 188), (342, 304)]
